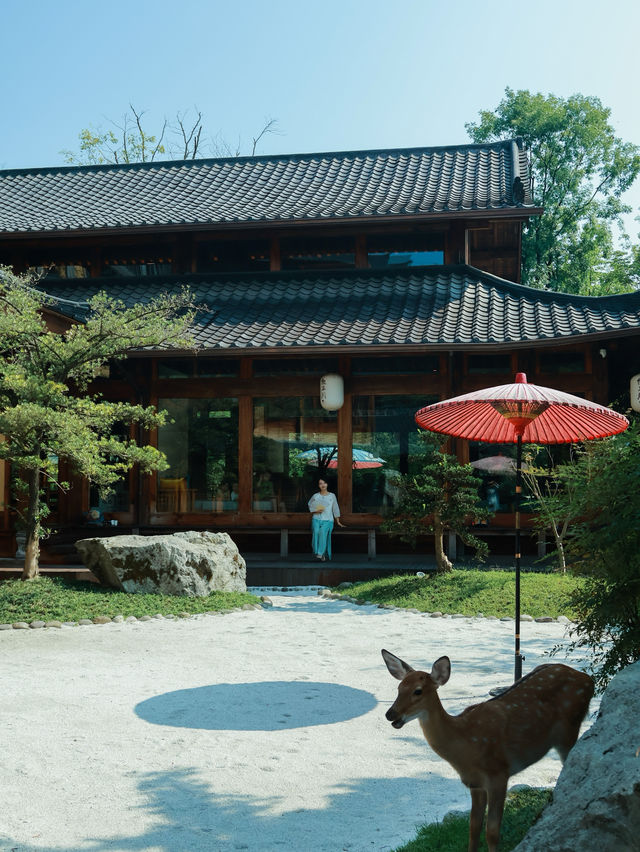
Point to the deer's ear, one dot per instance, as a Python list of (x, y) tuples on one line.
[(397, 667), (441, 670)]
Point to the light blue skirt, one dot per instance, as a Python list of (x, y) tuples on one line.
[(321, 537)]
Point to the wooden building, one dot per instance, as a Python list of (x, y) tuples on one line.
[(398, 270)]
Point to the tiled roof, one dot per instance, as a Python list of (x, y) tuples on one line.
[(445, 306), (285, 188)]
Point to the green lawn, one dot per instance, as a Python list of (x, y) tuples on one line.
[(522, 809), (472, 591), (53, 599)]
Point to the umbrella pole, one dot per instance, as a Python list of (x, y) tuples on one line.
[(518, 656)]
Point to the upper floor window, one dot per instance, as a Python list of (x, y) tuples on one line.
[(233, 256), (318, 253), (135, 262), (405, 250), (62, 271)]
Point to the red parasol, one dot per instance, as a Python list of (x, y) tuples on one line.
[(518, 413)]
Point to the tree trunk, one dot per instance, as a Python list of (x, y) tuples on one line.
[(32, 546), (443, 565)]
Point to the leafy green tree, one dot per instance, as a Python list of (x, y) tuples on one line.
[(602, 490), (48, 411), (579, 171), (443, 497)]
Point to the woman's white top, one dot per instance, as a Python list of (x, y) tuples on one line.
[(331, 509)]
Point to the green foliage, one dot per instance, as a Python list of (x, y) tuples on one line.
[(472, 591), (603, 545), (443, 496), (522, 809), (47, 411), (53, 599), (579, 169)]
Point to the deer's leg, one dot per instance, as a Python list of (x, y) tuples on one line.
[(478, 807), (496, 796)]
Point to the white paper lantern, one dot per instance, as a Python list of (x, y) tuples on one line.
[(634, 391), (331, 392)]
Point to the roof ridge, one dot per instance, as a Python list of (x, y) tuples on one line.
[(500, 143)]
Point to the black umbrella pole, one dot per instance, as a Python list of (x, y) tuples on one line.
[(519, 657)]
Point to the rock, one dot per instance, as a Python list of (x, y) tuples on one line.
[(130, 619), (101, 619), (436, 615), (506, 618), (544, 619), (57, 624), (6, 627), (20, 625), (596, 802), (190, 564), (69, 623), (266, 601), (85, 622), (118, 619), (145, 618), (36, 624), (562, 619), (525, 617)]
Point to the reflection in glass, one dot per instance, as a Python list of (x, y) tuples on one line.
[(385, 427), (283, 431), (200, 441)]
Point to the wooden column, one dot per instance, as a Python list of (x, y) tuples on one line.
[(345, 443)]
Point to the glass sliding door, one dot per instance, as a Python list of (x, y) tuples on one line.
[(200, 441), (384, 428), (294, 441)]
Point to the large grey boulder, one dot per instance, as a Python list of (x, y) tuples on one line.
[(596, 802), (192, 564)]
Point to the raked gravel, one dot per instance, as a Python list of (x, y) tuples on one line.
[(260, 730)]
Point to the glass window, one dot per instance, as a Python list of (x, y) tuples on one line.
[(405, 250), (175, 368), (294, 366), (200, 441), (294, 442), (385, 443), (62, 271), (209, 368), (561, 362), (486, 363), (137, 261), (395, 364), (318, 253), (234, 256)]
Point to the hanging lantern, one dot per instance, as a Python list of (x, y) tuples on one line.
[(331, 392), (634, 392)]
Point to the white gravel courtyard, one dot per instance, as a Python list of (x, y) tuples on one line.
[(255, 730)]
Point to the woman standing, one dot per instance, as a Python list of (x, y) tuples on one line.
[(324, 508)]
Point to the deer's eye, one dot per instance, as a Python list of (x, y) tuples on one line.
[(417, 691)]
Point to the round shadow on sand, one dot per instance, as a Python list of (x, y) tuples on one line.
[(268, 706)]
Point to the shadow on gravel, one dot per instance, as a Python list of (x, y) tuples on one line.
[(266, 706)]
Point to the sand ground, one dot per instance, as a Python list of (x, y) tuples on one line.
[(260, 730)]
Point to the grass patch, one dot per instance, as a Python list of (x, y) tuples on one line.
[(54, 599), (522, 810), (470, 592)]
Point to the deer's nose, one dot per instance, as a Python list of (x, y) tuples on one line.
[(391, 714)]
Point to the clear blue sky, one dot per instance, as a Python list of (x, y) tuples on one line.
[(336, 75)]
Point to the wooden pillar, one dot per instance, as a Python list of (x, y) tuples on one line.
[(245, 454), (345, 443), (361, 258), (275, 261)]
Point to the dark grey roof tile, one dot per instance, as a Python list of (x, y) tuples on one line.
[(394, 182), (432, 306)]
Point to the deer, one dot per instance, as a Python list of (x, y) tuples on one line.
[(489, 742)]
